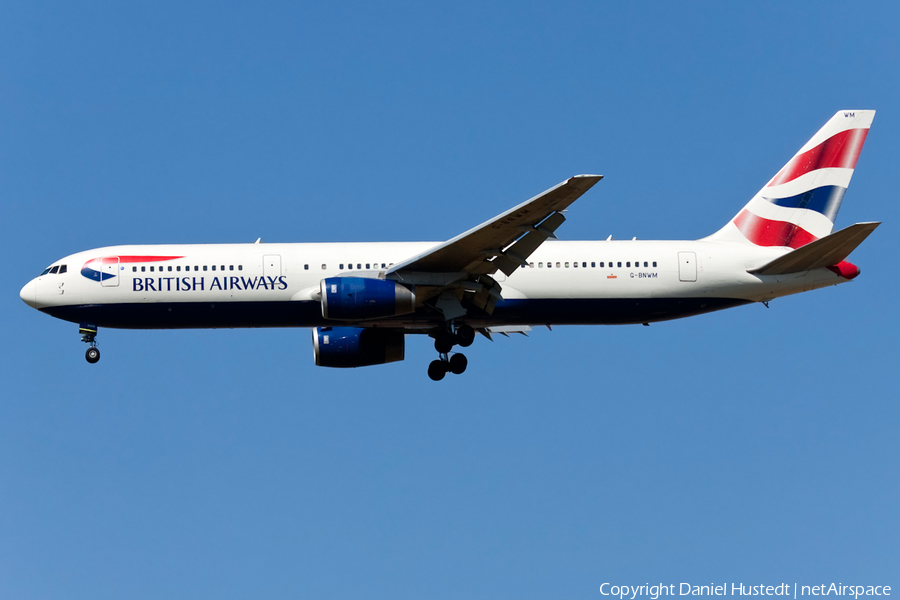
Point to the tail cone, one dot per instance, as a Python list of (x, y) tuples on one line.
[(845, 270)]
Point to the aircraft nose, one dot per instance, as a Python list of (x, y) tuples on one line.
[(29, 294)]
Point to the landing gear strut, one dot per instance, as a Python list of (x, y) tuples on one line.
[(89, 336), (463, 335)]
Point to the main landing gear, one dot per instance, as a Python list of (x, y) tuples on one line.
[(89, 336), (463, 335)]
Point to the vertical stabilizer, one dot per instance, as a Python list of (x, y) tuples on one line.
[(800, 203)]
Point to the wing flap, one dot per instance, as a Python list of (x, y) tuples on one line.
[(824, 252), (517, 254)]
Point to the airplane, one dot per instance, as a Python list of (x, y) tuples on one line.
[(508, 274)]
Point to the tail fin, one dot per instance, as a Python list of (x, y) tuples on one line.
[(800, 203)]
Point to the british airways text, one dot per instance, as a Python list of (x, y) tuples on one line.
[(195, 284)]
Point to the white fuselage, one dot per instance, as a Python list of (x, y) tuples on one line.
[(271, 285)]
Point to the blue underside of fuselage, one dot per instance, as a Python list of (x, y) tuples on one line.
[(205, 315)]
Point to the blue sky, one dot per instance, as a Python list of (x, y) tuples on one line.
[(752, 445)]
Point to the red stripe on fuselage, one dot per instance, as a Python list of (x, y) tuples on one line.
[(131, 259), (765, 232), (108, 260), (839, 151)]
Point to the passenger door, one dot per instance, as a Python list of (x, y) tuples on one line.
[(109, 271), (687, 266), (272, 265)]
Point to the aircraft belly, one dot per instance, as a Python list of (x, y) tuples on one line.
[(211, 314), (604, 311)]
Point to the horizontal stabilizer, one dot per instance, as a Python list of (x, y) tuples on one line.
[(824, 252)]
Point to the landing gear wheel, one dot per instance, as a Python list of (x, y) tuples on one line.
[(437, 369), (92, 355), (458, 364), (465, 335), (443, 344)]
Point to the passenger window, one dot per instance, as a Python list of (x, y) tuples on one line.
[(594, 265), (540, 265), (214, 267), (531, 265), (601, 264), (368, 266), (620, 264), (654, 263), (306, 267), (549, 265), (359, 265), (341, 266), (204, 268), (567, 265), (151, 269), (645, 263), (170, 269), (584, 265), (575, 264), (382, 266), (197, 268), (222, 268), (231, 267), (178, 268), (62, 269), (557, 265), (143, 269), (628, 264), (324, 266), (240, 267)]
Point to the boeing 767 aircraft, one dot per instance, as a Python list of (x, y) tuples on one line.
[(361, 299)]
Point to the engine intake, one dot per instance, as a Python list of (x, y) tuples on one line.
[(345, 347), (358, 298)]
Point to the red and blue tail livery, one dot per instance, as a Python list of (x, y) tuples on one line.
[(801, 202), (362, 300)]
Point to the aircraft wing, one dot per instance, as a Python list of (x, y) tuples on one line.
[(502, 243)]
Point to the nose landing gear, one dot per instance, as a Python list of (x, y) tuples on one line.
[(89, 336), (463, 335)]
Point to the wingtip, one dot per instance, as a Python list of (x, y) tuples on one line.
[(586, 176)]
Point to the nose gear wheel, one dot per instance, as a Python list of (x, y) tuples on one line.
[(89, 336)]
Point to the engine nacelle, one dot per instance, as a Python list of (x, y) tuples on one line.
[(358, 298), (344, 347)]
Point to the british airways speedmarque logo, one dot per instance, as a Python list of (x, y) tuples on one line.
[(101, 269)]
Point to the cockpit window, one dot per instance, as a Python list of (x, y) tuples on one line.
[(54, 270), (62, 269), (45, 271)]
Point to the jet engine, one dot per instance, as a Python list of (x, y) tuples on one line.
[(358, 298), (344, 347)]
